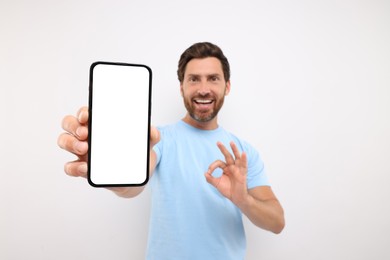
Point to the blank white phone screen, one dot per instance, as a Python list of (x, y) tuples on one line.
[(119, 124)]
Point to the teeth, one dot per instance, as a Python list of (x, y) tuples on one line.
[(203, 101)]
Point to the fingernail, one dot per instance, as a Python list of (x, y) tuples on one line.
[(83, 168), (81, 147), (80, 116), (66, 168)]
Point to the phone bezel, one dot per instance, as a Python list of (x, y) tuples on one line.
[(90, 124)]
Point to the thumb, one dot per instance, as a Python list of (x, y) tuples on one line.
[(154, 136)]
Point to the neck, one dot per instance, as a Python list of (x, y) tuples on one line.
[(209, 125)]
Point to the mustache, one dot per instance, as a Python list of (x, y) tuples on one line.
[(206, 96)]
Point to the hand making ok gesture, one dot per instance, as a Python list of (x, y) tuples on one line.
[(232, 182)]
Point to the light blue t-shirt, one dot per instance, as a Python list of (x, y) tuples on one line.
[(190, 219)]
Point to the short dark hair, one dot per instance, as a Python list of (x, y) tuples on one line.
[(199, 51)]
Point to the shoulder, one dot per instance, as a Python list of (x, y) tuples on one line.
[(168, 130), (241, 143), (167, 133), (171, 134)]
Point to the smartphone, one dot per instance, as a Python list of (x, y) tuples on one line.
[(119, 124)]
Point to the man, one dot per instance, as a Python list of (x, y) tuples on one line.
[(204, 177)]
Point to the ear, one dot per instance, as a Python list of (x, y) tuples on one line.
[(227, 90)]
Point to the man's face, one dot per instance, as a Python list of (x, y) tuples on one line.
[(204, 88)]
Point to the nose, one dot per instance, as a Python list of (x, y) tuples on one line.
[(204, 89)]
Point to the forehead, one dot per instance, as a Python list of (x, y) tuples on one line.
[(205, 66)]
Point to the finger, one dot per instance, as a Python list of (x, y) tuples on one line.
[(235, 150), (71, 144), (76, 169), (83, 115), (228, 157), (244, 160), (214, 165), (212, 180), (242, 163), (72, 125)]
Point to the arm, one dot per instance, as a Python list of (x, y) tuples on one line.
[(259, 204), (74, 140), (263, 209)]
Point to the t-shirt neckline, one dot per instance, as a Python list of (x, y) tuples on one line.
[(190, 127)]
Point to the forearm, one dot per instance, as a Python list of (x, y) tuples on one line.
[(266, 214)]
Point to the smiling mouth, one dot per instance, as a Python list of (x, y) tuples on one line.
[(203, 101)]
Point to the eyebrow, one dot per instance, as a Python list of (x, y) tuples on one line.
[(207, 75)]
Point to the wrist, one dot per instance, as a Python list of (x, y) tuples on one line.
[(246, 203), (127, 192), (120, 191)]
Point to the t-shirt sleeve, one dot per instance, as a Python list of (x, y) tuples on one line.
[(256, 171)]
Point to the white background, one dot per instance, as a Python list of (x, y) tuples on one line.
[(310, 89)]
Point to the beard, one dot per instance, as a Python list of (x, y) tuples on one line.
[(203, 115)]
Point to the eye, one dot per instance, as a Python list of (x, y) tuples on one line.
[(214, 78), (193, 79)]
